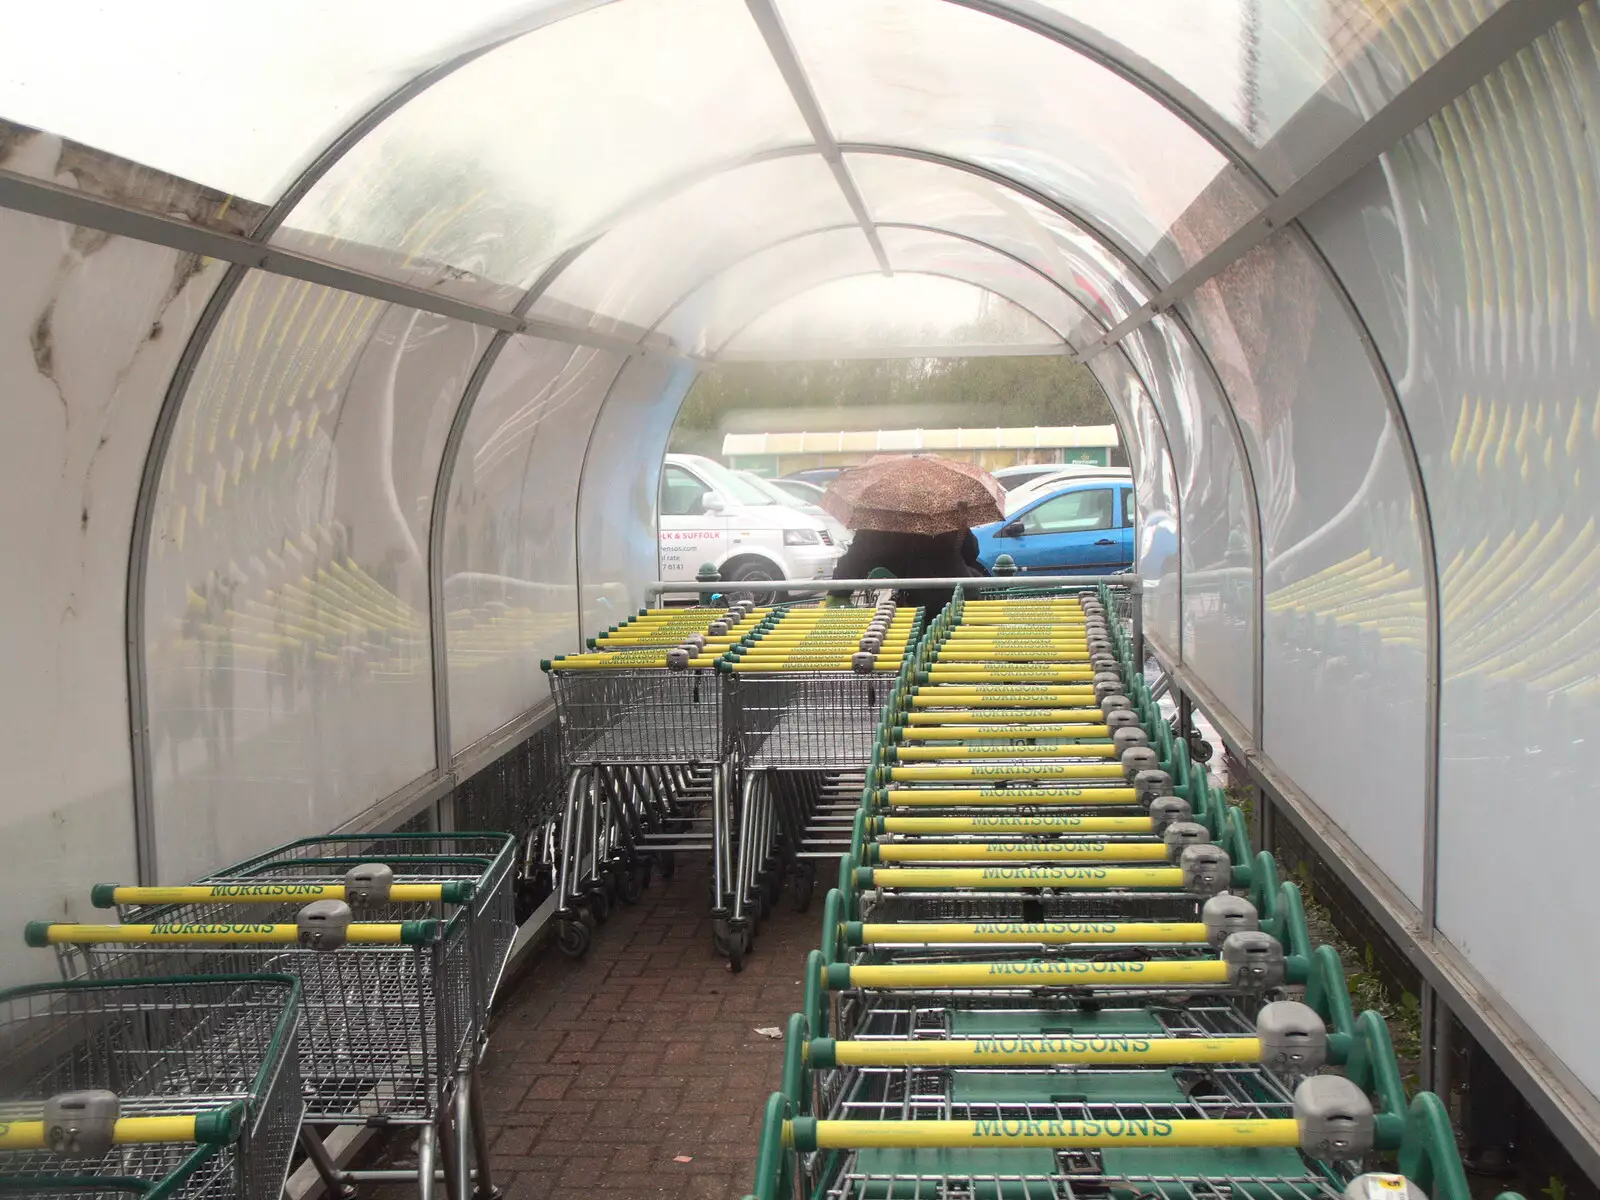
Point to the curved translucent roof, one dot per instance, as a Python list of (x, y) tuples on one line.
[(348, 338)]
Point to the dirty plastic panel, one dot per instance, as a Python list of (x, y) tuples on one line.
[(510, 580), (542, 143), (948, 80), (867, 312), (242, 123), (90, 329), (1291, 78), (1481, 296), (286, 622), (1345, 627), (1218, 550), (618, 552)]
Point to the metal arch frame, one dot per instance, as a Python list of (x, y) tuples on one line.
[(1162, 87), (1258, 555), (712, 356), (1499, 37), (787, 59), (710, 278)]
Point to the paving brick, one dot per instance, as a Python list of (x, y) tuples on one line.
[(601, 1072)]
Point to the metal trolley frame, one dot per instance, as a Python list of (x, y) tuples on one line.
[(171, 1088)]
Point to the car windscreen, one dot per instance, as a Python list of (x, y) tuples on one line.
[(740, 491)]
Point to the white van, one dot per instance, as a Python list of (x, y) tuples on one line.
[(709, 515)]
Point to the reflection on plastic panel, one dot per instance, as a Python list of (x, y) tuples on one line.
[(510, 583), (904, 310), (1344, 651), (915, 192), (1155, 557), (286, 616), (1474, 261), (626, 280), (493, 171), (1217, 549), (953, 81), (1259, 63), (617, 548), (90, 329)]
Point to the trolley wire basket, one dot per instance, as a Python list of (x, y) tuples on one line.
[(808, 720), (171, 1088), (632, 716), (444, 872)]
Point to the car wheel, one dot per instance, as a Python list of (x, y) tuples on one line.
[(749, 573)]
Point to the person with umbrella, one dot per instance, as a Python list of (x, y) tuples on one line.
[(912, 515)]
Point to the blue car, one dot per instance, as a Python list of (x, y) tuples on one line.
[(1079, 528)]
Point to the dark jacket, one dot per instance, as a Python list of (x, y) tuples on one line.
[(911, 556)]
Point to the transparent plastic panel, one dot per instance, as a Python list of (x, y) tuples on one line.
[(709, 316), (1472, 256), (924, 252), (510, 567), (90, 330), (618, 552), (286, 620), (492, 172), (911, 191), (1344, 639), (952, 81), (1155, 555), (905, 311), (168, 84), (636, 271), (1260, 63), (1218, 551)]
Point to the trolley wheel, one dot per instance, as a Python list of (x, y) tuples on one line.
[(802, 883), (774, 884), (599, 905), (489, 1193), (667, 863), (1200, 750), (573, 938), (631, 881), (733, 944)]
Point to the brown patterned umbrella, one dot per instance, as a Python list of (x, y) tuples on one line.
[(914, 493)]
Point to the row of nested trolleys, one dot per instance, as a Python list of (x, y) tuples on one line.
[(714, 731)]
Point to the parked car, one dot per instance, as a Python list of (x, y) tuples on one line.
[(1024, 494), (1084, 528), (811, 493), (821, 476), (841, 535), (1010, 477), (709, 514)]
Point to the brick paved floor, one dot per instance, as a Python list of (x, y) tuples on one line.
[(601, 1071)]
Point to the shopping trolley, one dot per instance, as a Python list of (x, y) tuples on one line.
[(1053, 968), (644, 737), (805, 694), (398, 942), (171, 1088)]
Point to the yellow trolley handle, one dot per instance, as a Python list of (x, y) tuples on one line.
[(109, 895), (367, 933), (1032, 1050), (217, 1127), (808, 1134)]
